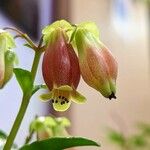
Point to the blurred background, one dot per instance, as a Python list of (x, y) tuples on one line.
[(124, 28)]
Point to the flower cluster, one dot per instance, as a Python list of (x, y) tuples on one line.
[(62, 67)]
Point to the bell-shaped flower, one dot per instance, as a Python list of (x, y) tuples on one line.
[(7, 57), (61, 72), (97, 64)]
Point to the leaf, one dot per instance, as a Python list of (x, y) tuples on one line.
[(59, 143), (24, 79), (116, 137), (138, 141)]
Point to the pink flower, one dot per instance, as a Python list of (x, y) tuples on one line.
[(61, 72), (98, 66)]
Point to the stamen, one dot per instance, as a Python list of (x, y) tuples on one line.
[(56, 101), (59, 96), (61, 103), (63, 97)]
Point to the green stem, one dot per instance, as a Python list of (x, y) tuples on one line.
[(24, 105)]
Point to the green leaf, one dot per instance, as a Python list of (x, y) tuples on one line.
[(10, 57), (116, 137), (138, 141), (24, 79), (59, 143)]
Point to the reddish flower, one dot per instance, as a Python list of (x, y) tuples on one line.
[(98, 66), (61, 72)]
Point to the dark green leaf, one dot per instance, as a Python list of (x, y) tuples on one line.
[(59, 143), (24, 79)]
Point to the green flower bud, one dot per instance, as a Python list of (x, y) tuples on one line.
[(7, 57)]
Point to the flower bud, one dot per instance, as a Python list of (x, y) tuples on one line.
[(61, 71), (7, 57), (98, 66)]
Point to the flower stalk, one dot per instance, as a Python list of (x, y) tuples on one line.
[(25, 102)]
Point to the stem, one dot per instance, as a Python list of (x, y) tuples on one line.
[(22, 35), (24, 105), (16, 125)]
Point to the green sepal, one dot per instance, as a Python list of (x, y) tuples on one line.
[(42, 123), (48, 30), (90, 27), (24, 79), (63, 121), (9, 40), (10, 57), (83, 40)]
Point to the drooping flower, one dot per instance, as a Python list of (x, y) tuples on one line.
[(7, 57), (97, 64), (61, 72)]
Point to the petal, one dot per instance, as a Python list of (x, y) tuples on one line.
[(77, 97), (46, 97), (59, 107)]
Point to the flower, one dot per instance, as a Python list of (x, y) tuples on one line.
[(97, 64), (7, 57), (48, 127), (61, 72)]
